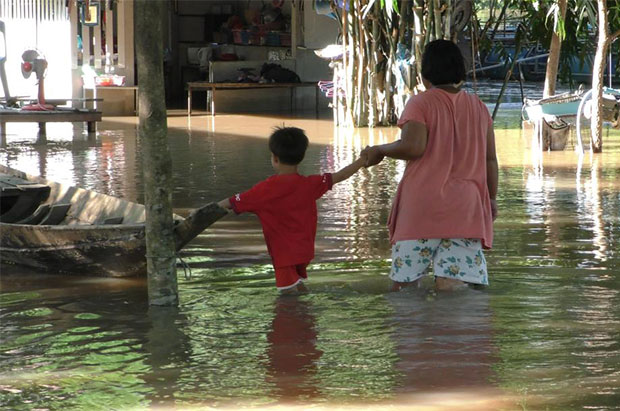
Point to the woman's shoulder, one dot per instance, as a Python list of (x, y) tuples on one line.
[(425, 98), (473, 99)]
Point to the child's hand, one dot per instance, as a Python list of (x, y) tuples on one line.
[(373, 155), (225, 203)]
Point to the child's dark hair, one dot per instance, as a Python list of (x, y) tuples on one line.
[(442, 63), (289, 144)]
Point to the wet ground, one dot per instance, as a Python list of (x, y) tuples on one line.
[(544, 335)]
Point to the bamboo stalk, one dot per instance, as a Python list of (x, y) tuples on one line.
[(437, 18), (352, 75), (447, 33), (418, 42), (429, 22), (345, 63), (362, 72), (373, 92), (474, 46), (354, 69)]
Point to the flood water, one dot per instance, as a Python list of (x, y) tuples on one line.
[(544, 335)]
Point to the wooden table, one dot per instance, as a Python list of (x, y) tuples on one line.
[(208, 86), (115, 100), (42, 117)]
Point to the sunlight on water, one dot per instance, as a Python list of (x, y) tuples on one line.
[(545, 334)]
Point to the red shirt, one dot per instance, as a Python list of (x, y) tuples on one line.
[(286, 207)]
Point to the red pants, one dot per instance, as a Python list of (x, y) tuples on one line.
[(289, 276)]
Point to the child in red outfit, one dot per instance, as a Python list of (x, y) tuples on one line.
[(285, 204)]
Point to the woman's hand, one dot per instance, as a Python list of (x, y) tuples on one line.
[(373, 155), (493, 209)]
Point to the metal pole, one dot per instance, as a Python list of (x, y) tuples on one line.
[(610, 73)]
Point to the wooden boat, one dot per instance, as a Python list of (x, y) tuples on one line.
[(66, 229)]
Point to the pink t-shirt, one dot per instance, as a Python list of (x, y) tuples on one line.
[(444, 193)]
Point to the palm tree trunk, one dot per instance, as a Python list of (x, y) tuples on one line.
[(554, 54), (157, 164)]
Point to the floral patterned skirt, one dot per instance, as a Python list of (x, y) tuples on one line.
[(457, 258)]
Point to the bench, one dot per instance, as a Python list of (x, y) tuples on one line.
[(57, 213), (42, 117), (19, 198), (212, 87)]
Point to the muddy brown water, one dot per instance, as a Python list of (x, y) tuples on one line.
[(544, 334)]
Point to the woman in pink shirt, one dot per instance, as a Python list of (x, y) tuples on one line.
[(444, 207)]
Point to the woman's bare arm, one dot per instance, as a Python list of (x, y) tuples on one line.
[(411, 145), (492, 170)]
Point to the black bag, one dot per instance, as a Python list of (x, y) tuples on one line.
[(275, 73)]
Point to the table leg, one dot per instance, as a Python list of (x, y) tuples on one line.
[(91, 126), (42, 136), (2, 133), (292, 100), (316, 101), (136, 102), (189, 101), (213, 101)]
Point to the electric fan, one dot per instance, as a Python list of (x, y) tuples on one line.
[(34, 61)]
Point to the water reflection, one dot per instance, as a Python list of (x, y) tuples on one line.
[(292, 351), (564, 201), (169, 352), (589, 204), (442, 340)]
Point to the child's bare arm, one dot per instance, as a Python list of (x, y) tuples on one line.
[(225, 204), (349, 170)]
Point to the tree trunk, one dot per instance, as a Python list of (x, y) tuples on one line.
[(157, 164), (598, 70), (553, 60)]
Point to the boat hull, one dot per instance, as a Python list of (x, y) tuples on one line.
[(114, 251), (98, 235)]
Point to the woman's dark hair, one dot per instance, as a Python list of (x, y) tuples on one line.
[(289, 144), (442, 63)]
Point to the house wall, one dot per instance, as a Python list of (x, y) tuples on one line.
[(51, 26), (313, 31), (24, 30), (58, 40)]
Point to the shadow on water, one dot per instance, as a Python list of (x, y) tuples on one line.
[(545, 334)]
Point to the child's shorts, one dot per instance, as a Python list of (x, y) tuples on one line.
[(289, 276), (455, 258)]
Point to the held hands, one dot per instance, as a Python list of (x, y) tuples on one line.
[(372, 155)]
